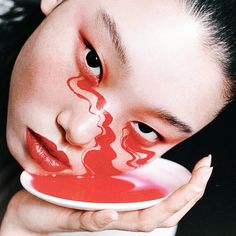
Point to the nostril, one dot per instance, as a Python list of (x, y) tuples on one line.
[(79, 129), (80, 139), (63, 119), (69, 139)]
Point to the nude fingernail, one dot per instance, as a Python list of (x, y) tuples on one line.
[(208, 160), (207, 174)]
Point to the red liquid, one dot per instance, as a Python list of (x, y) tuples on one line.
[(122, 189), (98, 160)]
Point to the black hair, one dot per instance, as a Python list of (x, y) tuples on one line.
[(219, 19)]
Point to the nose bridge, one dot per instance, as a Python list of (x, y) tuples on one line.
[(82, 119), (81, 127), (116, 106)]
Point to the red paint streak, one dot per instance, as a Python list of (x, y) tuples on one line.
[(45, 152), (97, 161), (129, 142), (122, 189)]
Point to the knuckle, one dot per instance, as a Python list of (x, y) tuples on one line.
[(169, 223), (68, 220), (172, 209), (146, 226), (87, 222), (100, 224), (199, 196)]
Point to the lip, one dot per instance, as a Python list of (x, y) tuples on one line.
[(45, 153)]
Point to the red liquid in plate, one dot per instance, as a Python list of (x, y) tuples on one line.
[(116, 189)]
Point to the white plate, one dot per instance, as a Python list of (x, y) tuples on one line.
[(168, 174)]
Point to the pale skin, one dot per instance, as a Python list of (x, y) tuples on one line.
[(36, 102)]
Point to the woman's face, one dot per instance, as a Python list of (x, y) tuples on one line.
[(104, 86)]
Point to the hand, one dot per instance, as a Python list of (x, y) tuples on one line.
[(27, 215), (170, 211)]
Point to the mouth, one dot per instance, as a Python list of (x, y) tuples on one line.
[(45, 153)]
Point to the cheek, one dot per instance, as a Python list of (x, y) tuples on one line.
[(47, 59), (40, 74)]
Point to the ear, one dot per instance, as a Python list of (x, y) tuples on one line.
[(47, 6)]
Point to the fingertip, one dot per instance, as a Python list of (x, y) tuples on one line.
[(204, 162), (198, 182), (201, 176)]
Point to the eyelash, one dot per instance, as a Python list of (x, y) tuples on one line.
[(140, 138), (88, 46), (85, 68)]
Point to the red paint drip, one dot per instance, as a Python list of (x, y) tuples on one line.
[(140, 156), (97, 161), (125, 189)]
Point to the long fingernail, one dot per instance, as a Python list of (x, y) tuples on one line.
[(207, 174), (208, 160)]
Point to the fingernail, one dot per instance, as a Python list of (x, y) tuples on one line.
[(207, 174), (208, 160)]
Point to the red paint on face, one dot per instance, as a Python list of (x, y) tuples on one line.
[(130, 143), (98, 159), (125, 188)]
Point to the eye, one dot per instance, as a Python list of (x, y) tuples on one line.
[(93, 62), (146, 132)]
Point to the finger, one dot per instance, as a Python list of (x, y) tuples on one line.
[(97, 220), (206, 161), (190, 192), (173, 220), (148, 219)]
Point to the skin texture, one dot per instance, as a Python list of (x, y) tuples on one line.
[(153, 77)]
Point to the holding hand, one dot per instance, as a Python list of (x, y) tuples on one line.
[(28, 215)]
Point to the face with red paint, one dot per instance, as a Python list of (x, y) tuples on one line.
[(100, 88)]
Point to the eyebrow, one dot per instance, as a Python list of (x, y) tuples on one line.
[(172, 120), (111, 27)]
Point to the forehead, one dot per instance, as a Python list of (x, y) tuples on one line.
[(165, 47)]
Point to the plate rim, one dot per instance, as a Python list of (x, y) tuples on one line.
[(81, 205)]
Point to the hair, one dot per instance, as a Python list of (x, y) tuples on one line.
[(218, 17)]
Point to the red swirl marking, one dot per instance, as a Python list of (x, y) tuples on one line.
[(98, 159), (140, 156)]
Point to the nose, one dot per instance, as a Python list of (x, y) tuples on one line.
[(80, 129)]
